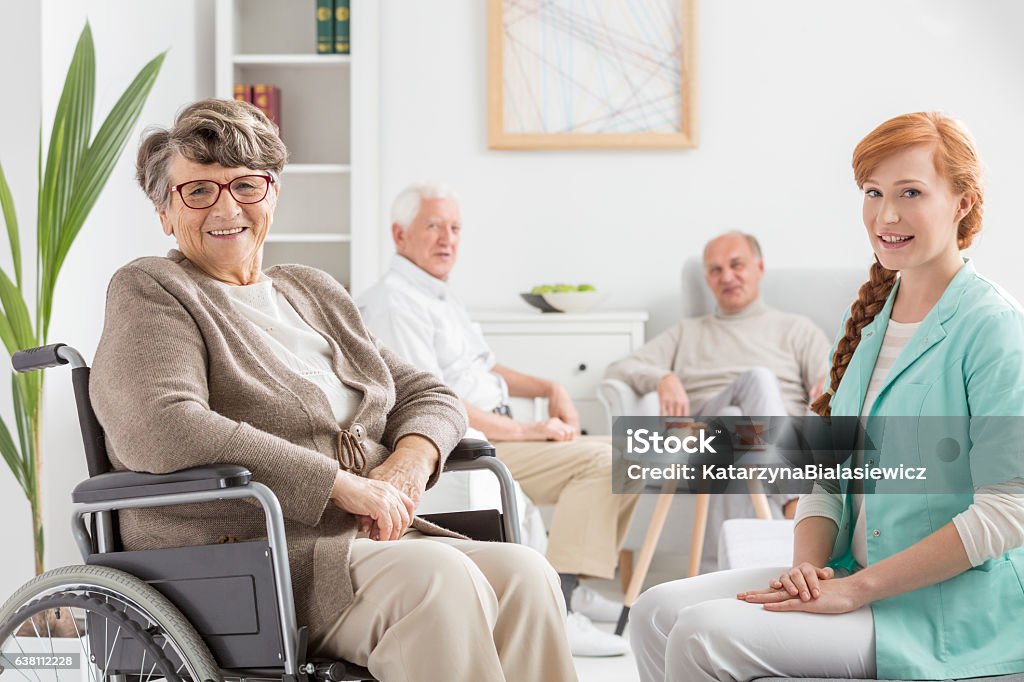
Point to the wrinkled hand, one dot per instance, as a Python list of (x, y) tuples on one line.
[(404, 470), (383, 510), (672, 398), (560, 406), (800, 582), (550, 429), (839, 595)]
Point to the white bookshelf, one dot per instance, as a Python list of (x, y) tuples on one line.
[(328, 213)]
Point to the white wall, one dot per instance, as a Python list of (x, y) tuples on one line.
[(122, 225), (19, 44), (787, 88)]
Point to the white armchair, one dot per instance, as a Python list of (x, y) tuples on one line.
[(821, 294), (783, 288)]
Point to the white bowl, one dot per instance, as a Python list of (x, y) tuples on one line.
[(574, 301)]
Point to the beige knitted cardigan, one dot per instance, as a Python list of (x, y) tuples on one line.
[(182, 379)]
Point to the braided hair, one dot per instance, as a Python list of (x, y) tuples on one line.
[(955, 159)]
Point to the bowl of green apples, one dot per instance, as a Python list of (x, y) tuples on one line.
[(563, 298)]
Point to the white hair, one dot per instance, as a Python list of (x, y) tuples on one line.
[(407, 204)]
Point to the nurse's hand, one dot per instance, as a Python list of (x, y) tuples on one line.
[(803, 581), (835, 596)]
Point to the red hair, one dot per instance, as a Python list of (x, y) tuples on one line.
[(956, 160)]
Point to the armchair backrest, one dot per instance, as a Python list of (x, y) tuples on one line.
[(822, 294)]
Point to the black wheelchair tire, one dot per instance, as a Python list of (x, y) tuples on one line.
[(60, 587)]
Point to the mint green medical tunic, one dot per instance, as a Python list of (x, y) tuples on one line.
[(965, 359)]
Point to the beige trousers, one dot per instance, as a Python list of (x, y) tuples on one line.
[(590, 521), (431, 608)]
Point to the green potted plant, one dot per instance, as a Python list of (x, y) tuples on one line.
[(72, 175)]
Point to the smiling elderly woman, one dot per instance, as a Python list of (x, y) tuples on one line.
[(205, 358)]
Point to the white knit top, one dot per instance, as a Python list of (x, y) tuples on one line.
[(993, 524), (295, 343)]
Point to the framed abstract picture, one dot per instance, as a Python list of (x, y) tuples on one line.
[(567, 74)]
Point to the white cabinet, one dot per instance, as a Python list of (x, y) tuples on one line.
[(327, 216), (572, 349)]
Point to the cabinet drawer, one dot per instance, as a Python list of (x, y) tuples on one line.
[(577, 361)]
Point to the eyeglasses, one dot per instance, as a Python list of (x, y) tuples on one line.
[(248, 189)]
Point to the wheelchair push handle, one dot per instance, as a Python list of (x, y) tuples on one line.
[(55, 354)]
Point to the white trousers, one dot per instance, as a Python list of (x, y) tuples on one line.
[(695, 630)]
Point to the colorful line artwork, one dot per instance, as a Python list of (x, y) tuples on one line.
[(579, 72)]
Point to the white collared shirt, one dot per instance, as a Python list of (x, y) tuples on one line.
[(415, 315)]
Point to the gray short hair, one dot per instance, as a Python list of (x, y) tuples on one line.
[(227, 132), (407, 204), (755, 246)]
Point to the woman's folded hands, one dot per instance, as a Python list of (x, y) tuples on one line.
[(383, 510), (806, 587), (386, 499)]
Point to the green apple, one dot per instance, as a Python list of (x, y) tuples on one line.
[(542, 289), (563, 288), (586, 287)]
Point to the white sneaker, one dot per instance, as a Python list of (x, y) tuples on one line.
[(594, 606), (586, 640)]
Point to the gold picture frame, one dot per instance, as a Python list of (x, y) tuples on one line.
[(560, 77)]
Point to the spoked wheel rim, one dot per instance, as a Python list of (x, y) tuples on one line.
[(120, 627)]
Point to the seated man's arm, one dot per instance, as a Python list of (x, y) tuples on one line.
[(645, 368), (651, 368), (500, 428), (521, 385), (810, 346)]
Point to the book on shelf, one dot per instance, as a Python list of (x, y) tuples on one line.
[(243, 92), (324, 26), (342, 13), (268, 98), (333, 18)]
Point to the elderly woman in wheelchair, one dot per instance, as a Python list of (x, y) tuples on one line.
[(207, 359)]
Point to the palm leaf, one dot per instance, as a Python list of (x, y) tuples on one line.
[(25, 391), (16, 313), (72, 126), (11, 220), (97, 165), (11, 455), (7, 335)]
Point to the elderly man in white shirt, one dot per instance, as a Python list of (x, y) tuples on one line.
[(413, 311)]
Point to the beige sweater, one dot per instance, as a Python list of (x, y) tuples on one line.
[(182, 379), (708, 353)]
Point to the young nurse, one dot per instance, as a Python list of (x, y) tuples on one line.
[(920, 586)]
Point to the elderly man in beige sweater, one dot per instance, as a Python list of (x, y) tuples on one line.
[(745, 358)]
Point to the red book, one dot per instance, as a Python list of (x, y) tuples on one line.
[(243, 92), (268, 98)]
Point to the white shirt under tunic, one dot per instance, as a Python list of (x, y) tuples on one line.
[(295, 343), (993, 524)]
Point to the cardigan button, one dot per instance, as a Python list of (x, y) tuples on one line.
[(358, 430), (876, 532)]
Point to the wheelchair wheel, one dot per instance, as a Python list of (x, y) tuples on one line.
[(91, 623)]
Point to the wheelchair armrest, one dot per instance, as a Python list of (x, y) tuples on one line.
[(469, 449), (120, 485)]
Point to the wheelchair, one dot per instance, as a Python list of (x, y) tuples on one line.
[(184, 614)]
